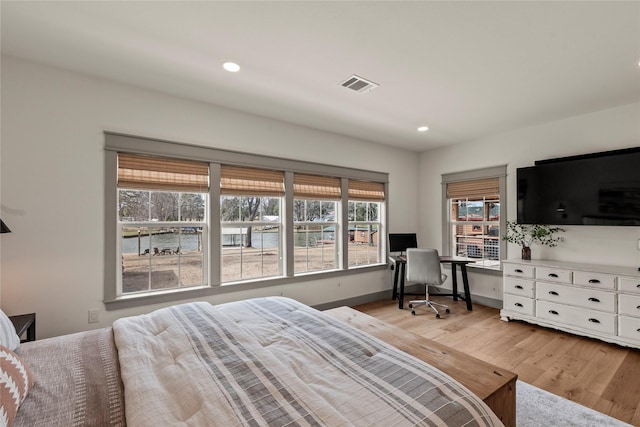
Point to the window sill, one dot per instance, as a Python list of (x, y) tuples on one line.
[(490, 270), (158, 297), (177, 295)]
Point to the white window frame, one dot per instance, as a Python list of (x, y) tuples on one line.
[(169, 224), (368, 222), (499, 172), (247, 224), (336, 233)]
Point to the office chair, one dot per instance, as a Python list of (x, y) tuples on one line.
[(423, 266)]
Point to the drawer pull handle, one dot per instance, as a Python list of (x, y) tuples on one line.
[(638, 330), (592, 320), (519, 287), (638, 307), (517, 270), (553, 293), (552, 275), (553, 312), (518, 305), (594, 281), (638, 285), (594, 299)]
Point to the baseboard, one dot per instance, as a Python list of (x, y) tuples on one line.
[(487, 302), (350, 302), (418, 289)]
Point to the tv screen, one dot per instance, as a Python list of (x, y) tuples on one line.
[(594, 189), (399, 242)]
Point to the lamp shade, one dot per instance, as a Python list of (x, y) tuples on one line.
[(4, 228)]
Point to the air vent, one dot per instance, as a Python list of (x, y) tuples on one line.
[(359, 84)]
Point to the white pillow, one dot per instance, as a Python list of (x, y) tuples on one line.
[(8, 336)]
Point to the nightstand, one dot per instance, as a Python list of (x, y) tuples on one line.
[(25, 324)]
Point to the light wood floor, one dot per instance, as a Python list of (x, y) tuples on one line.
[(602, 376)]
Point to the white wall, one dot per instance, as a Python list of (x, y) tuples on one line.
[(52, 177), (601, 131)]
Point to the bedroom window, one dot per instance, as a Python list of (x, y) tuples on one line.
[(161, 223), (250, 225), (365, 203), (315, 226), (185, 221), (473, 202)]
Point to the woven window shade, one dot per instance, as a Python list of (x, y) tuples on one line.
[(159, 173), (240, 181), (366, 191), (487, 187), (316, 187)]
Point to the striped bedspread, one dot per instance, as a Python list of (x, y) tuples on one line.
[(276, 362)]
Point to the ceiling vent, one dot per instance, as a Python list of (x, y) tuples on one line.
[(359, 84)]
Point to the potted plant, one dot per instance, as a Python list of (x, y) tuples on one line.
[(526, 235)]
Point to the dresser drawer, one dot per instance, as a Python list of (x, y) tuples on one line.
[(629, 284), (518, 270), (629, 305), (578, 317), (574, 296), (519, 304), (596, 280), (516, 286), (629, 327), (554, 275)]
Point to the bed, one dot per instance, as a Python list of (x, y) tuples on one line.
[(268, 361)]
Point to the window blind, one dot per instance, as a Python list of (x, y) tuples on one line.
[(366, 191), (141, 172), (316, 187), (238, 180), (487, 187)]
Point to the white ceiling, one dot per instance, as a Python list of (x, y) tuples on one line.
[(465, 69)]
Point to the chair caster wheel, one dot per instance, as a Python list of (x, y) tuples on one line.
[(447, 311), (437, 316), (410, 305), (413, 312)]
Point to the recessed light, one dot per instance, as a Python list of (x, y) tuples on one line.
[(232, 67), (423, 129)]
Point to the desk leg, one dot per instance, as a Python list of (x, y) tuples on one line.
[(401, 297), (395, 281), (454, 278), (465, 282)]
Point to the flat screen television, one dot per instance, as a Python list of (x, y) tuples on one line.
[(592, 189), (399, 242)]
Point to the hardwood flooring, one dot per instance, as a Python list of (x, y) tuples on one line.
[(602, 376)]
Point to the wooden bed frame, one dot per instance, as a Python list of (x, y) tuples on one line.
[(494, 385)]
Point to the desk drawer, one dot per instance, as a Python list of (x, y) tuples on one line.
[(519, 304), (595, 280), (554, 275), (516, 286), (518, 270), (581, 318), (581, 297), (629, 305), (629, 284)]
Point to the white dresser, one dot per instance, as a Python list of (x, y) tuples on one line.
[(597, 301)]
